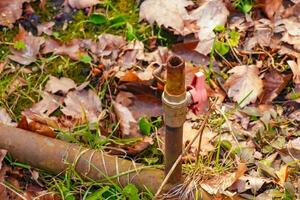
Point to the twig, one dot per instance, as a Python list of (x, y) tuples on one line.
[(184, 151)]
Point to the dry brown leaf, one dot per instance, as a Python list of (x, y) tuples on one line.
[(83, 105), (32, 47), (282, 174), (79, 4), (244, 85), (189, 132), (143, 101), (168, 13), (132, 52), (2, 156), (220, 183), (262, 35), (48, 105), (274, 83), (187, 51), (295, 67), (72, 48), (210, 14), (16, 84), (128, 124), (128, 76), (62, 85), (5, 118), (11, 11), (45, 27), (270, 7), (247, 182)]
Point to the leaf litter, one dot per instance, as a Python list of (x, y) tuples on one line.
[(250, 146)]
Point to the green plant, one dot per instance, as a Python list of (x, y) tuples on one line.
[(244, 6), (147, 126), (226, 40)]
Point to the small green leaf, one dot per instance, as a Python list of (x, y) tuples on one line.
[(221, 47), (219, 28), (234, 38), (118, 21), (97, 18), (246, 8), (97, 195), (131, 192), (130, 35), (151, 161), (295, 95), (20, 44), (145, 126), (85, 59)]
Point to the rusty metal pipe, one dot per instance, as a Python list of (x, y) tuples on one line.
[(174, 101), (56, 156)]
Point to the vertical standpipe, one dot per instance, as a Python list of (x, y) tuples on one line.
[(175, 109)]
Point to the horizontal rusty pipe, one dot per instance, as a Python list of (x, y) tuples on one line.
[(56, 156)]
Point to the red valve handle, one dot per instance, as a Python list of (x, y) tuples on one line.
[(198, 93)]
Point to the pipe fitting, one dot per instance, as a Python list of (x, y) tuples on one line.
[(175, 109), (174, 97)]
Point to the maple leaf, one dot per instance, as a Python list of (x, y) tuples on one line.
[(244, 85)]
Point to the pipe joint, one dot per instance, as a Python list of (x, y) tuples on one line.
[(175, 109)]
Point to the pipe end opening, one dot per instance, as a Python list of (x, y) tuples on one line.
[(175, 62)]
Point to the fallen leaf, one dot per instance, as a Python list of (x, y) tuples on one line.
[(282, 174), (28, 54), (262, 35), (274, 83), (11, 11), (189, 132), (17, 83), (128, 124), (247, 182), (244, 85), (45, 27), (295, 67), (48, 104), (270, 7), (220, 183), (293, 148), (72, 48), (186, 50), (2, 156), (84, 104), (62, 85), (209, 15), (144, 102), (168, 13), (5, 118), (132, 52), (79, 4)]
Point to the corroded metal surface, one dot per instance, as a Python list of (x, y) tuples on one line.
[(56, 156), (175, 109)]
